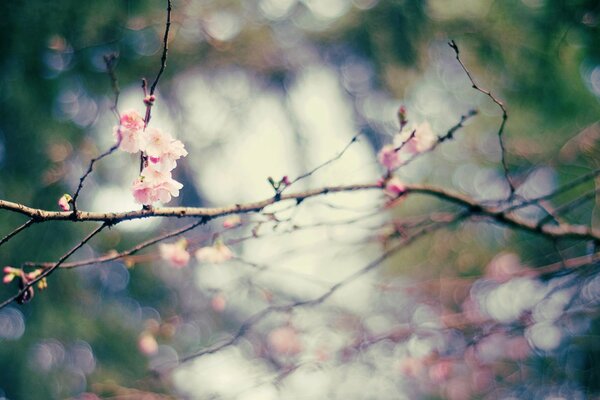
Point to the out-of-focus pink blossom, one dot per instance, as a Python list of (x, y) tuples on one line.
[(481, 379), (10, 273), (218, 302), (422, 140), (458, 389), (175, 253), (129, 131), (147, 344), (411, 366), (440, 371), (232, 221), (517, 348), (216, 254), (394, 187), (503, 267), (285, 341), (64, 202), (389, 157)]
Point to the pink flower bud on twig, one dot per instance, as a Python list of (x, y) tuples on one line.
[(64, 202)]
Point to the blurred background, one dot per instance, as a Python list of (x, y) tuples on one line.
[(260, 88)]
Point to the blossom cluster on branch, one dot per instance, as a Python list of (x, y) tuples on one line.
[(160, 152)]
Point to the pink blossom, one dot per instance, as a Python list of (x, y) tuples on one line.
[(129, 131), (147, 344), (518, 348), (153, 186), (166, 161), (423, 139), (175, 253), (389, 157), (218, 302), (411, 366), (285, 341), (503, 267), (215, 254), (64, 202), (155, 142), (440, 371), (394, 187)]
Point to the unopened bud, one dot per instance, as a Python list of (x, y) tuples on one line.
[(65, 201), (402, 116), (149, 100)]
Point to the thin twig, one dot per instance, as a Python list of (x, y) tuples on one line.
[(50, 270), (500, 104), (565, 188), (109, 60), (89, 171), (569, 206), (16, 231), (448, 136), (114, 255), (253, 320), (163, 59), (326, 163)]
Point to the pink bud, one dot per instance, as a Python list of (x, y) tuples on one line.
[(286, 181), (402, 115), (149, 100), (394, 187), (64, 201)]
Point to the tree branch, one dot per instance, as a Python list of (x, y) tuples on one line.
[(500, 104), (50, 270), (475, 208)]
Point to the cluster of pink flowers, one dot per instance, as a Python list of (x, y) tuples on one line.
[(408, 142), (177, 255), (162, 151)]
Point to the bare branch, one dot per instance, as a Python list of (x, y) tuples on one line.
[(16, 231), (500, 104), (253, 320), (50, 270), (163, 59), (448, 136), (326, 163), (569, 206), (475, 208), (109, 60), (116, 255)]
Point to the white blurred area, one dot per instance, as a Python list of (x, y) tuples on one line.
[(248, 132)]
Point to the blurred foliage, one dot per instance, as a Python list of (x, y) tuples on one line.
[(537, 55)]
